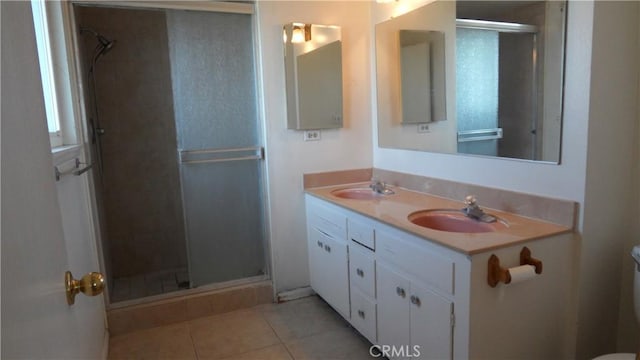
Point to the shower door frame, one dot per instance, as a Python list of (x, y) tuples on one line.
[(73, 55)]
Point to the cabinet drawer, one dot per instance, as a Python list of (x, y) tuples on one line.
[(361, 233), (362, 270), (363, 315), (434, 269), (327, 220)]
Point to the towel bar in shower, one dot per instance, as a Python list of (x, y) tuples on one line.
[(76, 170), (479, 135), (220, 155)]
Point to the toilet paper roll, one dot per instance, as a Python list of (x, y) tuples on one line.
[(522, 273)]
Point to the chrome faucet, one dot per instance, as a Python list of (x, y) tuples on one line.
[(380, 187), (474, 211)]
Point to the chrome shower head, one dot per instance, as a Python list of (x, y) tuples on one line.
[(104, 44), (107, 45)]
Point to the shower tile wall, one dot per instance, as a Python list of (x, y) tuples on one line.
[(141, 191)]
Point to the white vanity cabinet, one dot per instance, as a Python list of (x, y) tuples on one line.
[(414, 295)]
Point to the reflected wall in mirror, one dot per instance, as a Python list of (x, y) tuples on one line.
[(507, 60), (313, 71), (393, 131), (422, 69)]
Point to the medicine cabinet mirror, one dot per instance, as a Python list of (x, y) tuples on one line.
[(313, 75), (497, 91)]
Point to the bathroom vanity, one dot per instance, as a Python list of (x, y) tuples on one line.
[(423, 293)]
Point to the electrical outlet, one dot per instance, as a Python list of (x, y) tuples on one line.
[(312, 135), (423, 128)]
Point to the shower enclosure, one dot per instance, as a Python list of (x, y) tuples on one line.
[(172, 115)]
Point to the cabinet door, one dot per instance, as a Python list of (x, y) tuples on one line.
[(431, 324), (316, 260), (331, 272), (393, 307)]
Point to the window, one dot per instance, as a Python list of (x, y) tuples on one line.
[(46, 71)]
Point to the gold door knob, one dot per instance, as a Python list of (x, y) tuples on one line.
[(91, 284)]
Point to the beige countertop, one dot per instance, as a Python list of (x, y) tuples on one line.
[(394, 210)]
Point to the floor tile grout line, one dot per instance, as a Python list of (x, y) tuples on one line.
[(193, 342), (288, 351), (275, 332)]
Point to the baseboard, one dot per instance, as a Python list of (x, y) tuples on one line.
[(295, 294)]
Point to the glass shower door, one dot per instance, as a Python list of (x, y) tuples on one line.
[(477, 80), (214, 89)]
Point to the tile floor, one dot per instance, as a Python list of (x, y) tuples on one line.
[(301, 329)]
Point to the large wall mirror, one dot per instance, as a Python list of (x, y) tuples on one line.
[(497, 91), (313, 72)]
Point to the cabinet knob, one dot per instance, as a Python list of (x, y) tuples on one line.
[(400, 291), (361, 313), (327, 248), (320, 244), (415, 300), (360, 272)]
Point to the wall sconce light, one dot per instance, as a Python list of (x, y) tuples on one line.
[(301, 33)]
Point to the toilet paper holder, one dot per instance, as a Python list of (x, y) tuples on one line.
[(497, 274)]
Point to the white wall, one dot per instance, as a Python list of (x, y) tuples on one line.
[(608, 201), (287, 155), (628, 330)]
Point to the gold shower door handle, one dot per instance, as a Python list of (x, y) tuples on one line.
[(91, 284)]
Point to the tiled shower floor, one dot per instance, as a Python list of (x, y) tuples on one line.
[(139, 286)]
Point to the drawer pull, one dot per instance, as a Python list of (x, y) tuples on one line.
[(415, 300), (400, 291), (327, 248), (361, 313), (320, 244), (360, 272)]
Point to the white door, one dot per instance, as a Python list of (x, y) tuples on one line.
[(36, 320)]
